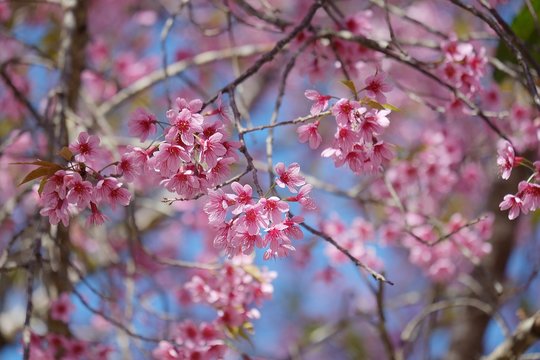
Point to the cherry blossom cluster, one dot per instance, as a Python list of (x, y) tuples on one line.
[(354, 238), (463, 66), (234, 291), (413, 190), (61, 308), (357, 140), (443, 250), (196, 154), (239, 219), (192, 341), (430, 174), (78, 186), (60, 346), (528, 196)]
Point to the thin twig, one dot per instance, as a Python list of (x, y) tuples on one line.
[(269, 56), (377, 276), (174, 69)]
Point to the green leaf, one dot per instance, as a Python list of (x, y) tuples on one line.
[(372, 103), (244, 331), (391, 107), (350, 85), (524, 28)]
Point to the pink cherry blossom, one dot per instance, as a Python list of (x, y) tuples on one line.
[(309, 132), (223, 111), (243, 196), (211, 128), (165, 351), (514, 204), (530, 194), (61, 308), (371, 125), (253, 219), (304, 199), (382, 152), (86, 148), (80, 192), (216, 206), (168, 159), (231, 148), (360, 23), (346, 138), (75, 349), (506, 159), (58, 183), (289, 176), (247, 242), (184, 183), (457, 51), (279, 244), (293, 231), (184, 127), (376, 86), (55, 207), (274, 207), (193, 106), (96, 217), (212, 149), (220, 171), (321, 101), (442, 270), (142, 124), (131, 165), (344, 111), (110, 190)]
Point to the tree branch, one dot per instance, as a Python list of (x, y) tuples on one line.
[(526, 334)]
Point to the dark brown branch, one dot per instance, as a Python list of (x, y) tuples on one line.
[(21, 97), (384, 48), (266, 17), (269, 56)]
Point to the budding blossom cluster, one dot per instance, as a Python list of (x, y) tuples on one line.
[(462, 67), (528, 196), (357, 140), (240, 219), (234, 291)]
